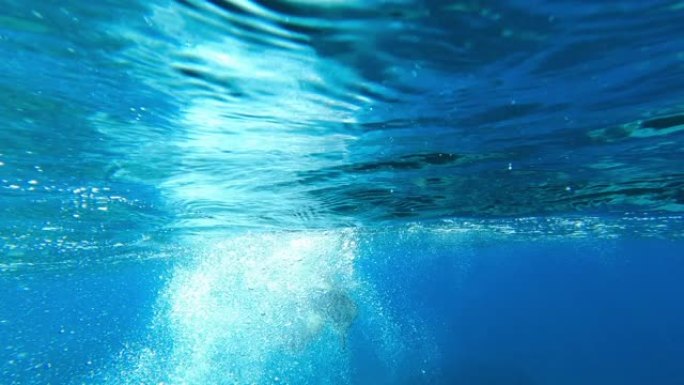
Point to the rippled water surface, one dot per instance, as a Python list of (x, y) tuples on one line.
[(251, 192)]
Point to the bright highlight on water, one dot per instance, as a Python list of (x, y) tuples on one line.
[(341, 192)]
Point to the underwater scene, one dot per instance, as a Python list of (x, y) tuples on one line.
[(354, 192)]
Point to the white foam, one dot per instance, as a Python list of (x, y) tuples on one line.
[(242, 312)]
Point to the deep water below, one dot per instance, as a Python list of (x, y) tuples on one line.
[(60, 326), (465, 310), (559, 312)]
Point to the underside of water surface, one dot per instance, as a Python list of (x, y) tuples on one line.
[(341, 192)]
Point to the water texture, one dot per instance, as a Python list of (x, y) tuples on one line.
[(341, 192)]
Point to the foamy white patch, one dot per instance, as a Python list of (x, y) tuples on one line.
[(273, 308), (243, 313)]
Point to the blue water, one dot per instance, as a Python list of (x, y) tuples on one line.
[(341, 192)]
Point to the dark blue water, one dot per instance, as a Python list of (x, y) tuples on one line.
[(341, 192), (553, 312)]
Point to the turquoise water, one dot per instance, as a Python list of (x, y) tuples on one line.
[(341, 192)]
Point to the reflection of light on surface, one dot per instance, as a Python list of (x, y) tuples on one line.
[(235, 156)]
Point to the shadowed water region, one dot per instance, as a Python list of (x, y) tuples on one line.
[(341, 192)]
